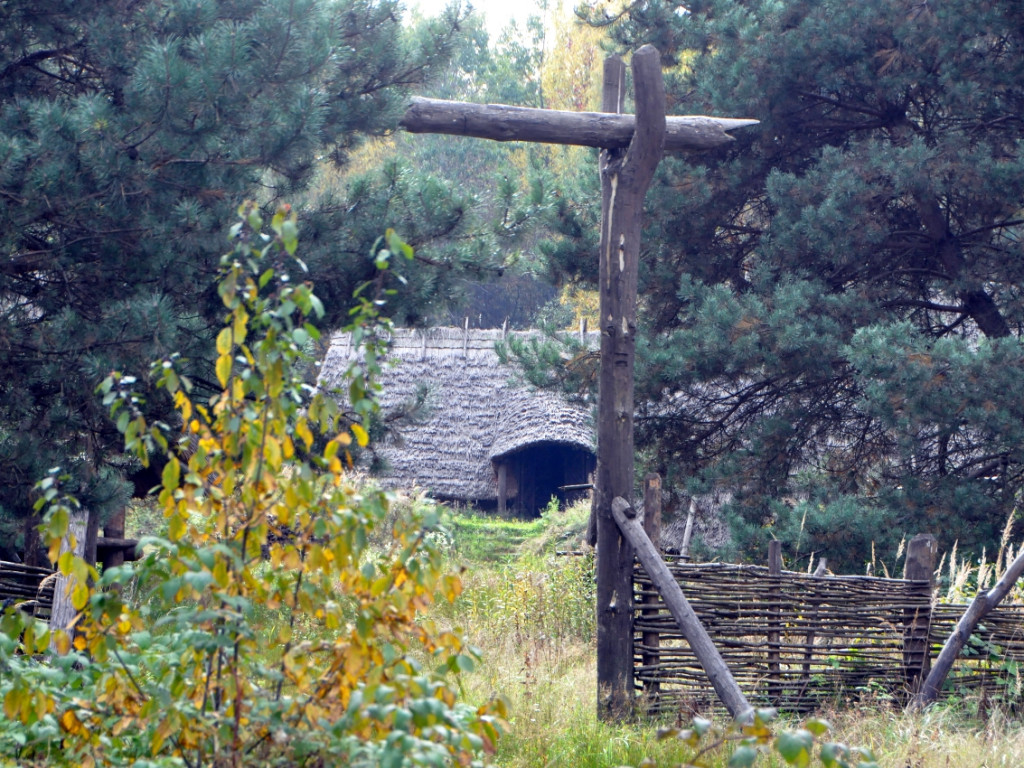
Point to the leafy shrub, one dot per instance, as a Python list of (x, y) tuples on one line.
[(262, 521)]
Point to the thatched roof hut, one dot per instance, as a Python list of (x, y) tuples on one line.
[(486, 437)]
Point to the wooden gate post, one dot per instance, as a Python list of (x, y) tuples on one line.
[(625, 177), (919, 566), (631, 150)]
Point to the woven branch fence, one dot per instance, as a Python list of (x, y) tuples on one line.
[(27, 586), (797, 642)]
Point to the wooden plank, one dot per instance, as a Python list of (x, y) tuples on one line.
[(606, 130), (703, 648)]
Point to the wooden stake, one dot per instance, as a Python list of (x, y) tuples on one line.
[(919, 566), (774, 628)]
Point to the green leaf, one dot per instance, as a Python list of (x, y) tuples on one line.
[(832, 753), (743, 757), (701, 726), (795, 746), (817, 726)]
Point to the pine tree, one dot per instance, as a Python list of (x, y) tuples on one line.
[(129, 131), (833, 304)]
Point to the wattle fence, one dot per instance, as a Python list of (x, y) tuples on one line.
[(798, 642), (26, 586)]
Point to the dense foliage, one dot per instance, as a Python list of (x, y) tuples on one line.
[(128, 131), (269, 631), (833, 303)]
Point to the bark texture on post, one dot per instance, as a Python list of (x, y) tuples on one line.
[(605, 130), (625, 177), (700, 642), (63, 613), (979, 608)]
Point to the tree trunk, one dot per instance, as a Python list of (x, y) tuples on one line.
[(63, 614)]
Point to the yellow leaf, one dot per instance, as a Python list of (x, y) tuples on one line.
[(70, 722), (239, 326), (224, 341), (223, 369), (361, 436), (272, 452), (184, 405), (62, 641), (79, 595), (12, 704), (80, 643), (302, 430)]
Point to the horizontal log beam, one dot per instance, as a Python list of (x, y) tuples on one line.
[(501, 122)]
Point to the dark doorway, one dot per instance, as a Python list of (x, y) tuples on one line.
[(541, 470)]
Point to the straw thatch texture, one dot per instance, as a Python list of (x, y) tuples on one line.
[(796, 642), (26, 586), (477, 410)]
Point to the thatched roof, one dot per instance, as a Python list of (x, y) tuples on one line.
[(478, 410)]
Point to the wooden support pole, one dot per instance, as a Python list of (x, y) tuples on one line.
[(700, 642), (919, 566), (652, 527), (605, 130), (652, 508), (774, 628), (502, 487), (625, 177)]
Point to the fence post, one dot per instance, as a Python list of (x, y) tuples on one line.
[(774, 628), (650, 642), (919, 566)]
